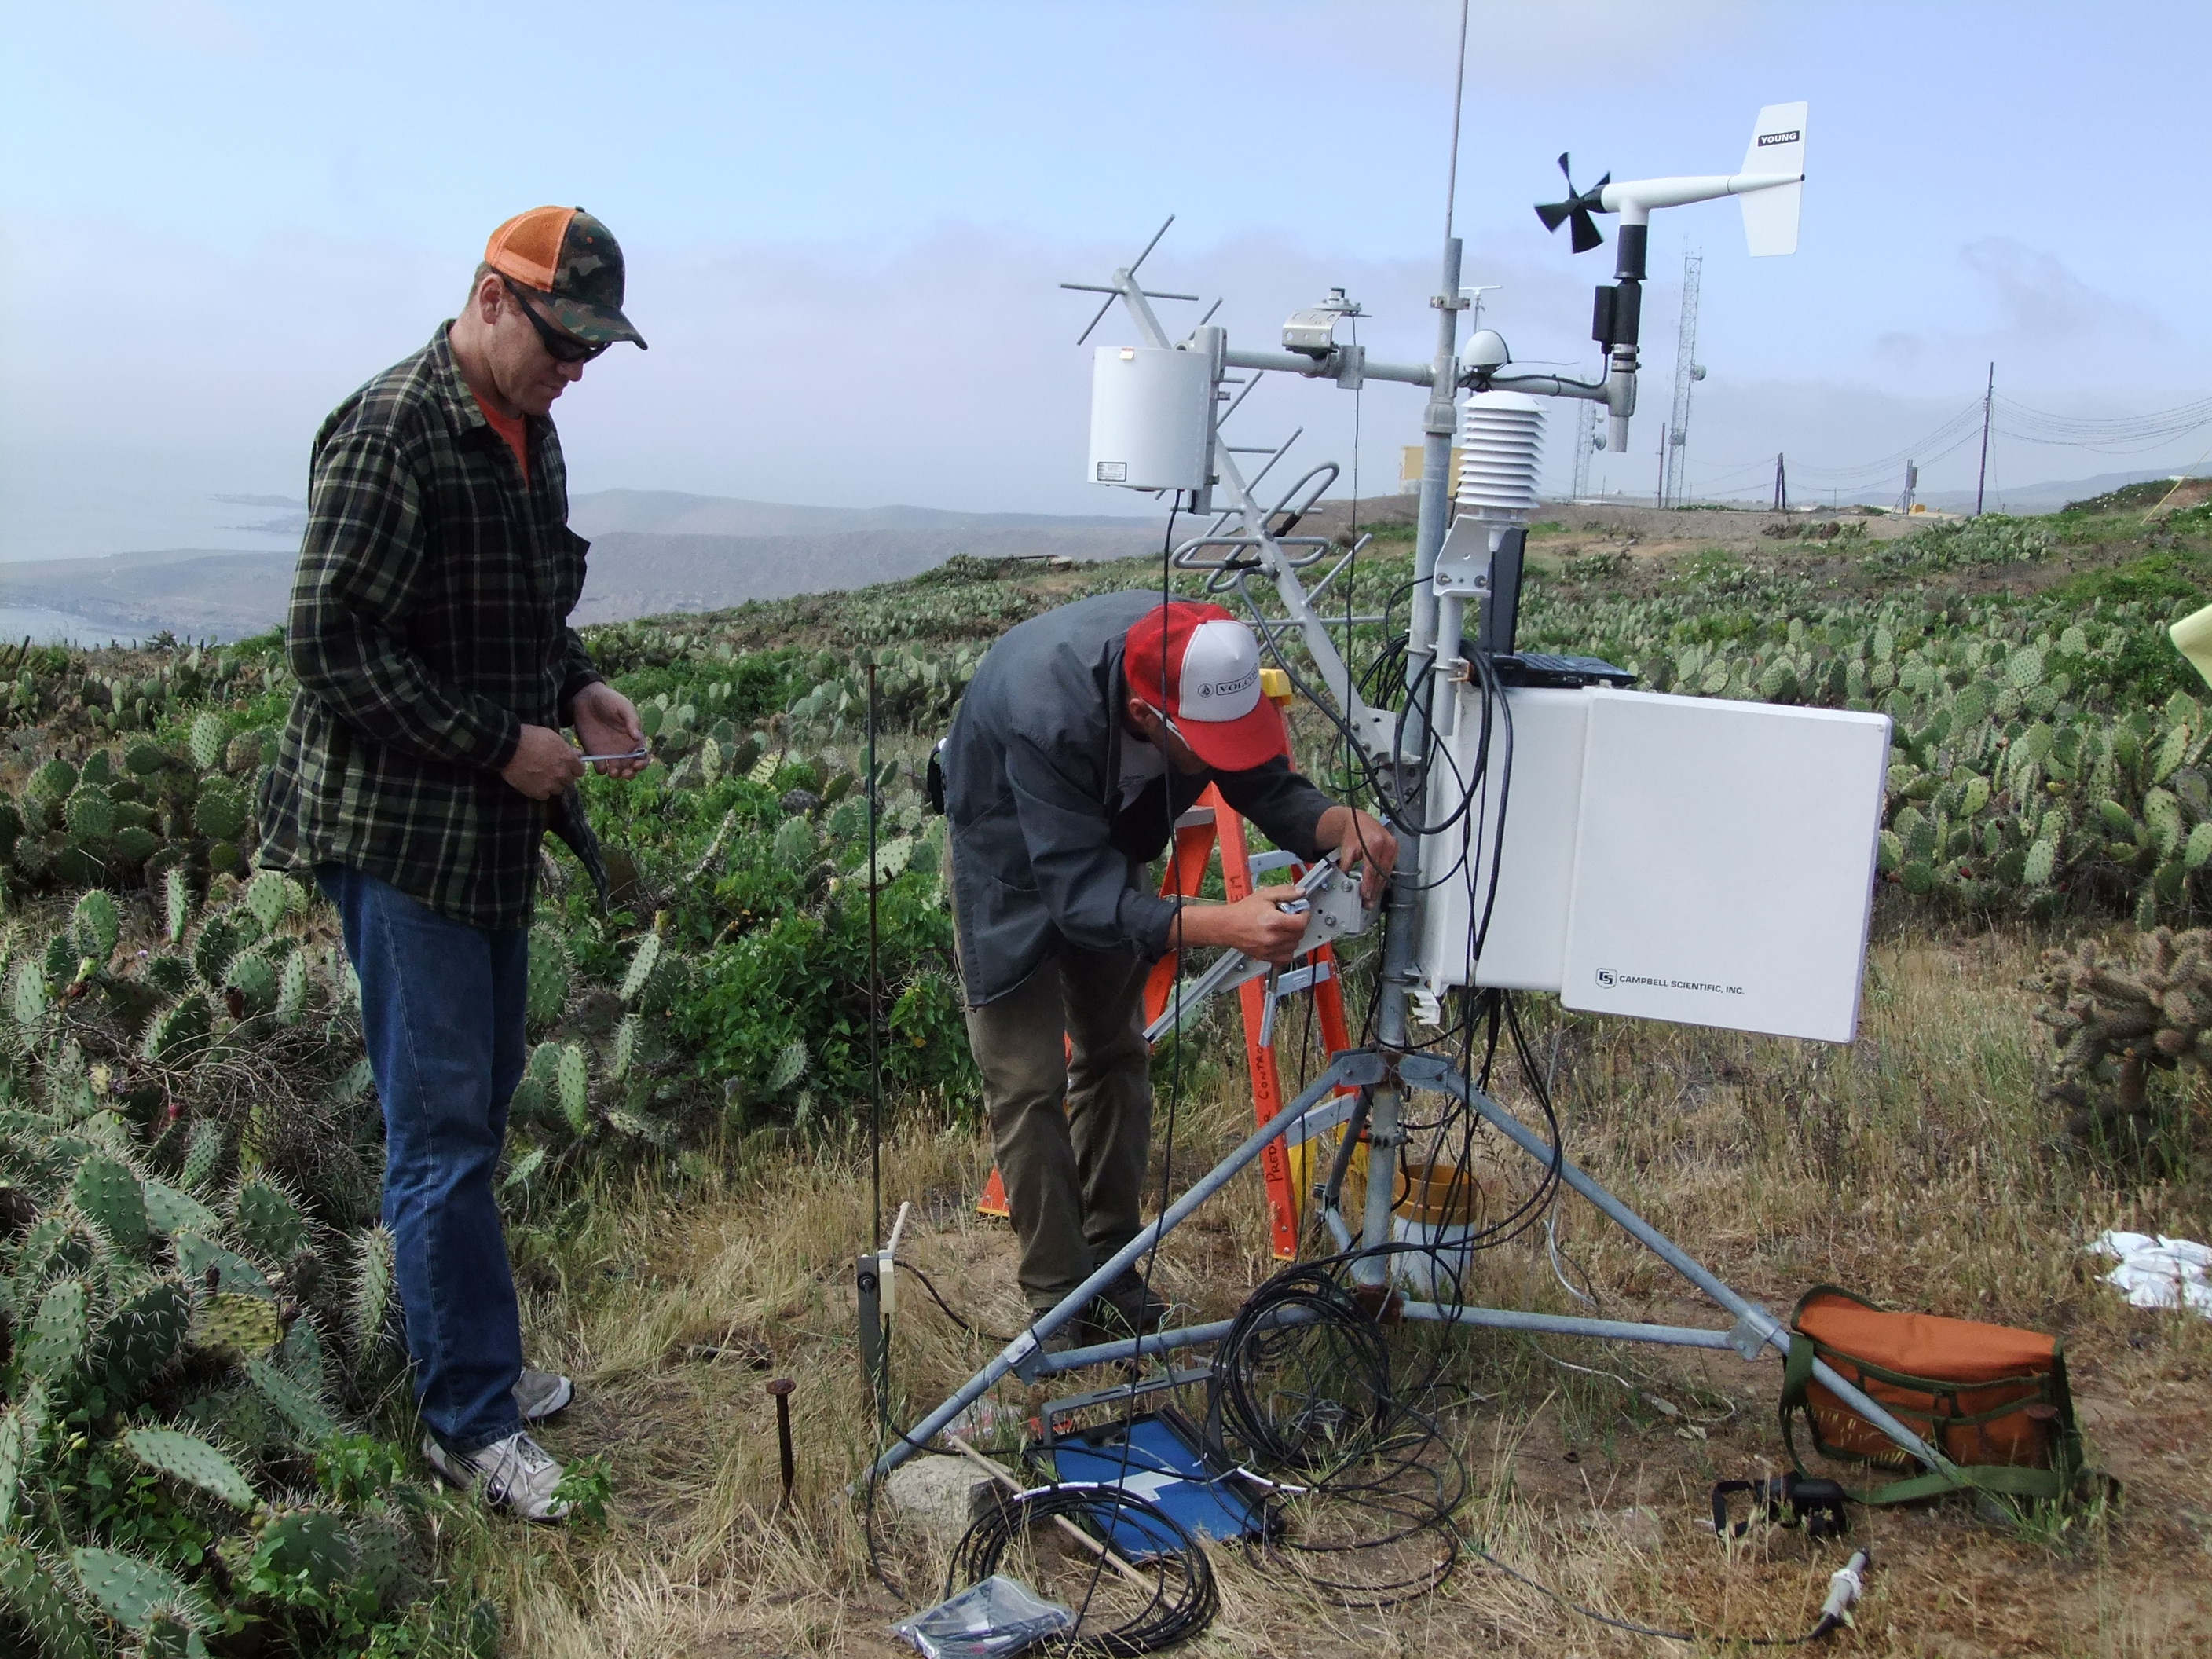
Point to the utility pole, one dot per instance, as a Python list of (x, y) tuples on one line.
[(1659, 498), (1912, 483), (1981, 477), (1781, 486), (1688, 371)]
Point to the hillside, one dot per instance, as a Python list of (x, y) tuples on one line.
[(688, 1174), (653, 550)]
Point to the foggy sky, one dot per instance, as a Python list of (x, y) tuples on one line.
[(845, 224)]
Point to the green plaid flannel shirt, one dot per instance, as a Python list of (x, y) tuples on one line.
[(428, 625)]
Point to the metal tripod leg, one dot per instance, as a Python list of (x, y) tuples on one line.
[(1360, 1065), (1755, 1327)]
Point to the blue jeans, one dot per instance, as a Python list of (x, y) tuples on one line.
[(441, 1006)]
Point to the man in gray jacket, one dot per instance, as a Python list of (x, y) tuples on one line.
[(1085, 733)]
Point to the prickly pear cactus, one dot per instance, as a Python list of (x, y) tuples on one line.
[(236, 1324), (268, 896), (796, 844), (175, 1034), (210, 736), (218, 942), (111, 1198), (188, 1458), (89, 815), (370, 1307), (221, 813), (203, 1150), (254, 980), (242, 752), (94, 926), (293, 983), (790, 1065), (132, 1591), (17, 1447), (550, 967), (294, 1404), (32, 1589), (639, 973), (52, 783), (574, 1084), (176, 905), (269, 1221), (142, 1337), (170, 1211), (54, 1347), (28, 1001), (625, 1048)]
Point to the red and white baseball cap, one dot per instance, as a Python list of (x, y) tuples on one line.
[(1201, 667)]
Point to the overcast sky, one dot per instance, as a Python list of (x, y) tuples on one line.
[(844, 224)]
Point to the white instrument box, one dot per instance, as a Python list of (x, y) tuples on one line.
[(1685, 859)]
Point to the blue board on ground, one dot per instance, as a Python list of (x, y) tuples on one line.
[(1162, 1465)]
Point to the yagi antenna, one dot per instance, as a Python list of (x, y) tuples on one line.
[(1114, 292)]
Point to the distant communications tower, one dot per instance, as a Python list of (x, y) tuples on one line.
[(1585, 442), (1688, 371)]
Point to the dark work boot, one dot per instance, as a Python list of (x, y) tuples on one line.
[(1125, 1308)]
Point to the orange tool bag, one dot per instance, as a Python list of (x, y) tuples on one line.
[(1992, 1400)]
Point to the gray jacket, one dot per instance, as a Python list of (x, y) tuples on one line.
[(1043, 848)]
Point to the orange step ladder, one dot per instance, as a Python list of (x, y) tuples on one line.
[(1213, 825)]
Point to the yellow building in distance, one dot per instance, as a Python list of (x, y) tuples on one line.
[(1409, 469)]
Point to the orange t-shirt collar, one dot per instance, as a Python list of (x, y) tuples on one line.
[(511, 428)]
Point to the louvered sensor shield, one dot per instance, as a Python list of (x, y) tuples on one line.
[(1500, 445), (1501, 440)]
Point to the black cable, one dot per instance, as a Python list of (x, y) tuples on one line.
[(1301, 1385), (1183, 1597), (972, 1330)]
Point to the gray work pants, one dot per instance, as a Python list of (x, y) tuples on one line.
[(1074, 1174)]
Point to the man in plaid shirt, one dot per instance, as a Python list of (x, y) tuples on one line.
[(419, 770)]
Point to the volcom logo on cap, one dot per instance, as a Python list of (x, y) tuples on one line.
[(1229, 687), (1220, 676)]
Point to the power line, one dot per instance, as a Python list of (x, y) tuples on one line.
[(2006, 417)]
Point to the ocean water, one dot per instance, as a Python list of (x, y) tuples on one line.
[(57, 627)]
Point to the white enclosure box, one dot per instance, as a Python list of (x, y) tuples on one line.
[(1151, 413), (1525, 948), (1685, 859)]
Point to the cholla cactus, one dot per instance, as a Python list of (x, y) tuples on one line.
[(2115, 1017)]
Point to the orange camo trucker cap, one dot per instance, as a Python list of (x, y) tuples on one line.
[(574, 262)]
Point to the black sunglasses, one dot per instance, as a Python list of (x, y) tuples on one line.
[(560, 347)]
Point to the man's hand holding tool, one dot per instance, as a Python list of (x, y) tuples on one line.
[(545, 763)]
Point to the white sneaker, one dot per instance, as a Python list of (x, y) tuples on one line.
[(540, 1394), (515, 1473)]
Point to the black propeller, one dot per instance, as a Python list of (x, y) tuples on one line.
[(1579, 206)]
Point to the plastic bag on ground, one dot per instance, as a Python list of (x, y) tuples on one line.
[(994, 1620), (2158, 1272)]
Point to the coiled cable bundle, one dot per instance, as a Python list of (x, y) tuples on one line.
[(1301, 1388), (1182, 1598), (1302, 1378)]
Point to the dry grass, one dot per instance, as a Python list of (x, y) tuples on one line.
[(1915, 1167)]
